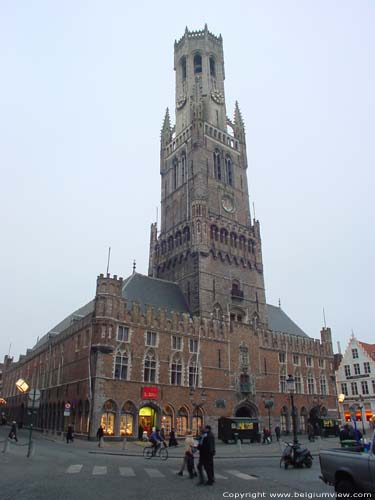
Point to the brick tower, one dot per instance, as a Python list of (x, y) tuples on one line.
[(207, 243)]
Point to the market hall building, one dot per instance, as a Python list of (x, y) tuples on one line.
[(195, 339)]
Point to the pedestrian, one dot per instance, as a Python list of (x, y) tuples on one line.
[(140, 432), (277, 432), (3, 419), (172, 439), (266, 436), (310, 432), (13, 431), (207, 451), (99, 435), (188, 458), (70, 434)]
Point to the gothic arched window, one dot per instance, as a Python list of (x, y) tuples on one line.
[(183, 67), (175, 173), (121, 365), (183, 168), (229, 170), (176, 370), (217, 165), (212, 66), (149, 374), (223, 236), (186, 233), (197, 63), (193, 374)]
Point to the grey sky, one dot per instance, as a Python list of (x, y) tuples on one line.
[(83, 90)]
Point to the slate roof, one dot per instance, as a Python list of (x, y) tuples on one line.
[(154, 292), (278, 321)]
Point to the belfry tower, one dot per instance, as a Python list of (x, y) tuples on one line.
[(207, 243)]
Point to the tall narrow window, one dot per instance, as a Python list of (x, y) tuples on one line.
[(212, 66), (175, 173), (121, 366), (183, 168), (217, 165), (183, 68), (176, 371), (150, 368), (229, 171), (193, 374), (197, 63)]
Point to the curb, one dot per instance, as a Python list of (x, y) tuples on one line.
[(253, 457)]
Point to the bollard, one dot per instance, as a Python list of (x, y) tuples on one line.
[(240, 445), (31, 450), (124, 444)]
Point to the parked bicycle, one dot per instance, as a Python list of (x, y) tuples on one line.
[(161, 452)]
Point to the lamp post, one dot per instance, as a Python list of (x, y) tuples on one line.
[(268, 404), (291, 386), (23, 388), (341, 399), (360, 407)]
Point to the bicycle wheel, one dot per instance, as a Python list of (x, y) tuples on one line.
[(147, 452), (163, 454)]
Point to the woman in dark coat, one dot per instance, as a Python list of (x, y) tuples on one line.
[(172, 439)]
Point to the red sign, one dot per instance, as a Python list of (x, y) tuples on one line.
[(150, 393)]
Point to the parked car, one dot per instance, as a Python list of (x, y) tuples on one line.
[(350, 470), (238, 428)]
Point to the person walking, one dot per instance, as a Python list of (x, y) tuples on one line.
[(13, 431), (278, 432), (188, 458), (69, 434), (172, 439), (207, 452), (99, 435)]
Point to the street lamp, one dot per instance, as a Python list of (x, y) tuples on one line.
[(24, 387), (340, 399), (268, 404), (291, 386), (360, 407)]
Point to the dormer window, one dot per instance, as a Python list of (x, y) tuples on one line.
[(197, 63)]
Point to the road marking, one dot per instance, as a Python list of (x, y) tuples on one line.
[(74, 469), (240, 475), (219, 476), (154, 473), (127, 471), (99, 470)]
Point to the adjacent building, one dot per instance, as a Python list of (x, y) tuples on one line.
[(195, 339), (356, 381)]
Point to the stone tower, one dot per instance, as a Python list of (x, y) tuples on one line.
[(207, 241)]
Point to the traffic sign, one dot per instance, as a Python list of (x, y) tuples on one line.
[(34, 395), (67, 406)]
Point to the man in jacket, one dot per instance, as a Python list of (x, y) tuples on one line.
[(207, 451)]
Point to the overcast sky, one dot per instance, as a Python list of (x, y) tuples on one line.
[(83, 91)]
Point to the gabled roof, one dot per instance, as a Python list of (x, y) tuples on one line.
[(154, 292), (368, 348), (278, 321)]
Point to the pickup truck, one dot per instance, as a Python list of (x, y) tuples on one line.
[(349, 470)]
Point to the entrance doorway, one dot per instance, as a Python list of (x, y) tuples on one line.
[(147, 418)]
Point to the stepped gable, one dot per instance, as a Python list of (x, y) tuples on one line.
[(278, 321), (154, 292)]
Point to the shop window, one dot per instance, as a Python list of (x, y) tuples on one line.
[(182, 422), (126, 424)]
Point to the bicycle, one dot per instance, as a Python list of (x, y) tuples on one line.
[(161, 452)]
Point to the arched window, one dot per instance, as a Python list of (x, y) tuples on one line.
[(212, 66), (183, 168), (242, 242), (107, 420), (310, 383), (176, 370), (186, 233), (283, 379), (150, 367), (298, 382), (197, 63), (163, 247), (217, 165), (284, 419), (182, 421), (229, 170), (214, 232), (121, 365), (175, 173), (233, 240), (127, 416), (197, 421), (193, 373), (183, 67), (323, 385), (224, 236), (178, 238), (170, 243)]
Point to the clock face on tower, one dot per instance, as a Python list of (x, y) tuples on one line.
[(228, 204)]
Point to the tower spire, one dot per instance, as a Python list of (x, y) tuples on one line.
[(166, 130)]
